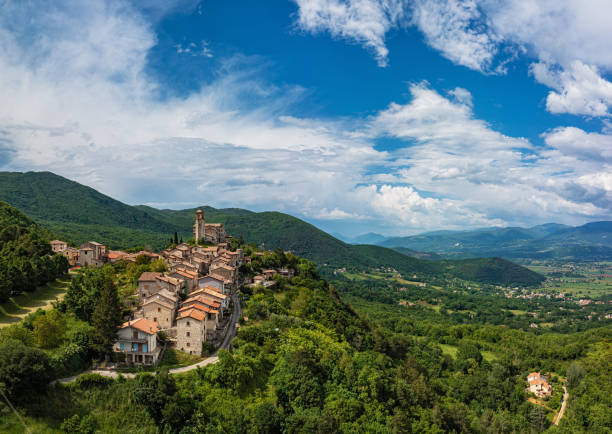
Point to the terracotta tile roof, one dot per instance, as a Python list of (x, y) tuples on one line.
[(203, 299), (142, 324), (192, 313), (199, 306), (170, 280), (149, 276), (213, 288)]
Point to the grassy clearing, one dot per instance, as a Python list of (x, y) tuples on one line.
[(451, 350), (21, 305), (177, 359)]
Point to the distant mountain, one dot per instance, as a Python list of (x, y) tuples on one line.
[(369, 238), (420, 255), (79, 213), (592, 241)]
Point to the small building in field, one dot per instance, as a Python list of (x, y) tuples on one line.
[(137, 339), (538, 385)]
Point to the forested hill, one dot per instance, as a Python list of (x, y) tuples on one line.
[(79, 213), (25, 254)]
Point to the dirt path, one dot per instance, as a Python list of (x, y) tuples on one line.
[(231, 333), (563, 404)]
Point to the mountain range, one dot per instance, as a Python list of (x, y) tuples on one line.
[(592, 241), (78, 213)]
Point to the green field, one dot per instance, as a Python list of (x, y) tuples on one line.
[(451, 350), (578, 279), (19, 306)]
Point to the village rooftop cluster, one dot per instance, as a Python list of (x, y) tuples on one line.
[(190, 303)]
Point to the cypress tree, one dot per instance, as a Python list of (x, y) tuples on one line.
[(106, 318), (176, 238)]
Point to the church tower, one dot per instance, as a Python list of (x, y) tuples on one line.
[(199, 226)]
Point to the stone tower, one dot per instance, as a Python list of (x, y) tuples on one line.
[(199, 226)]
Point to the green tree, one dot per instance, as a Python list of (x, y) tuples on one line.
[(575, 373), (159, 265), (49, 329), (106, 318), (24, 371)]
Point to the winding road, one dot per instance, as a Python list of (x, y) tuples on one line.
[(231, 333)]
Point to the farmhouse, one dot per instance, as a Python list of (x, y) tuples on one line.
[(538, 385)]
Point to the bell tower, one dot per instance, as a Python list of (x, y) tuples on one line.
[(199, 226)]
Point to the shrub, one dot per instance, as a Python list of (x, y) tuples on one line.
[(88, 381)]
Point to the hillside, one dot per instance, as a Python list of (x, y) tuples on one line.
[(79, 213), (25, 254), (592, 241)]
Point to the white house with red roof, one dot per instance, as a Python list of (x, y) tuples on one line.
[(138, 341)]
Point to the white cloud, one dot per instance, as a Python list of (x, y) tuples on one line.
[(580, 144), (579, 89), (570, 39), (77, 100), (455, 28), (365, 22), (193, 49)]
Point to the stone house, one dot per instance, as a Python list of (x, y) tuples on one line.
[(189, 278), (191, 330), (92, 254), (137, 339), (214, 294), (268, 274), (225, 271), (148, 285), (72, 255), (58, 246), (159, 310), (215, 233), (215, 282)]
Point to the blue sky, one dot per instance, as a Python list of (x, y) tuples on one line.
[(357, 115)]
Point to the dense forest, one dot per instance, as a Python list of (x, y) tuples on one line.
[(306, 362), (26, 259)]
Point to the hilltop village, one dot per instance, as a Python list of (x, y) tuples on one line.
[(194, 303)]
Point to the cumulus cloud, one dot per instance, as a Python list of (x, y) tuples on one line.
[(569, 39), (456, 29), (77, 100), (365, 22), (579, 89)]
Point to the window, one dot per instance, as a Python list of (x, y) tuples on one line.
[(187, 323), (188, 344), (159, 309), (154, 319), (121, 347), (135, 334), (188, 334)]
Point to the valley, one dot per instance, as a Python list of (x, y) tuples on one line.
[(351, 338)]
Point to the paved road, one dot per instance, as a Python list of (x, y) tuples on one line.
[(231, 333), (562, 410)]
